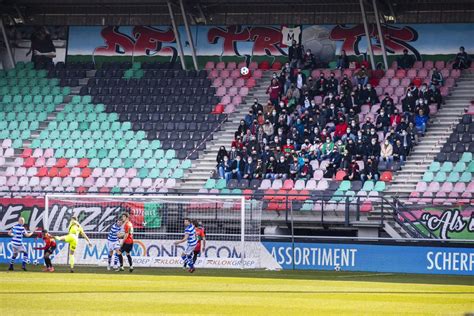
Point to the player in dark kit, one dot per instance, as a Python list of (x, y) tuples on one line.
[(201, 237), (127, 243), (49, 248)]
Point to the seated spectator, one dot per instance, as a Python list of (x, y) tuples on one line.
[(420, 122), (332, 84), (345, 85), (383, 121), (223, 168), (306, 171), (434, 96), (256, 106), (249, 168), (371, 172), (221, 153), (362, 76), (259, 171), (330, 171), (462, 60), (295, 54), (371, 95), (282, 169), (372, 151), (233, 153), (321, 85), (237, 168), (342, 60), (405, 61), (308, 60), (386, 152), (270, 168), (395, 118), (436, 78), (241, 130), (353, 173), (294, 169), (399, 153), (341, 129)]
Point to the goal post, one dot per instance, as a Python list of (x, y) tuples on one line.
[(232, 225)]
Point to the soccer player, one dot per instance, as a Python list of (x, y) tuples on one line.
[(49, 248), (201, 237), (191, 240), (74, 230), (113, 243), (127, 243), (17, 233)]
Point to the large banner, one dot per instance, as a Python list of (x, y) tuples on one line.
[(373, 258), (257, 42)]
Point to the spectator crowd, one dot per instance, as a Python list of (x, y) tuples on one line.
[(307, 119)]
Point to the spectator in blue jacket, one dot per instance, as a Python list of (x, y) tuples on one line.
[(421, 119)]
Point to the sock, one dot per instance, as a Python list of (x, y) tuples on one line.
[(185, 259), (116, 259), (12, 260), (48, 262), (190, 262), (129, 257), (71, 261), (120, 259), (110, 259), (25, 259)]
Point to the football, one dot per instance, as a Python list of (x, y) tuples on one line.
[(337, 268), (244, 71), (35, 262)]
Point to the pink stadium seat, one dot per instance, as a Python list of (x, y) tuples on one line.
[(418, 64), (288, 184), (470, 187), (213, 74), (383, 82), (459, 187), (405, 82), (42, 172), (422, 73), (221, 91), (48, 153), (225, 100), (433, 109), (50, 162), (78, 182), (322, 185), (439, 64), (250, 83), (318, 174), (231, 65), (390, 90), (131, 173), (450, 82), (394, 82), (421, 187), (120, 173), (170, 183), (428, 64), (3, 181), (135, 183), (241, 64), (411, 74), (433, 187), (7, 143), (239, 83), (28, 162), (2, 161), (9, 152), (323, 165), (401, 73), (97, 172), (27, 152), (277, 184), (444, 91), (299, 185), (235, 74), (400, 91), (159, 183), (311, 184), (445, 72), (229, 108), (224, 74), (232, 92), (266, 184), (12, 181), (112, 182), (217, 82), (147, 183), (67, 182), (75, 172), (244, 91), (31, 172), (257, 74), (89, 182), (220, 65), (315, 73), (10, 171), (209, 65), (86, 172)]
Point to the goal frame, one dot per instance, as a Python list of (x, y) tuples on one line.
[(240, 198)]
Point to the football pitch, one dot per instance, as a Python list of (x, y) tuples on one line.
[(95, 291)]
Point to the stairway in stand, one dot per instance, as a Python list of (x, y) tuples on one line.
[(195, 178)]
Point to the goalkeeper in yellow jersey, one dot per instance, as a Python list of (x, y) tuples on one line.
[(74, 230)]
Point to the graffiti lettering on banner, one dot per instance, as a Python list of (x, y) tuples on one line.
[(449, 221)]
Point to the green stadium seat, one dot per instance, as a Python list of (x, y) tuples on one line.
[(345, 185), (166, 173), (307, 205), (147, 154), (177, 174), (114, 153), (466, 177), (186, 164), (459, 167), (91, 153), (162, 163), (159, 154), (440, 177), (453, 177), (466, 157), (435, 166), (151, 163), (128, 163), (447, 166), (170, 154), (428, 176), (210, 184), (221, 184), (116, 162), (105, 163), (368, 186), (154, 173), (143, 173), (135, 154), (139, 163), (379, 186)]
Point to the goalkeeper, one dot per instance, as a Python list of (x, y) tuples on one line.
[(74, 230), (201, 238), (49, 248)]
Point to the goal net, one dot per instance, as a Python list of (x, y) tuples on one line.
[(232, 226)]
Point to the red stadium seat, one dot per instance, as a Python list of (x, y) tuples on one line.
[(219, 109), (42, 172), (61, 163), (84, 162), (340, 175), (276, 66), (64, 172), (53, 172), (29, 162), (386, 176), (264, 65), (26, 153), (86, 173)]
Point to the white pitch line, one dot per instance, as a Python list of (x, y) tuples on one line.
[(364, 275)]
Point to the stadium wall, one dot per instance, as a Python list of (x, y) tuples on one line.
[(264, 42)]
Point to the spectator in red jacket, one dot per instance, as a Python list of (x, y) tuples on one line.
[(274, 91), (341, 129), (395, 118)]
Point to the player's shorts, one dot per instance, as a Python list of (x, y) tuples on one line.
[(189, 251), (112, 245), (18, 249), (50, 250), (72, 241), (126, 248)]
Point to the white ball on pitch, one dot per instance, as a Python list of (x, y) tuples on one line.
[(337, 267), (27, 261), (35, 262), (317, 39), (244, 71)]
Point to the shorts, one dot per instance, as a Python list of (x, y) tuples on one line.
[(189, 251), (50, 250), (112, 245), (72, 241), (18, 249), (126, 248)]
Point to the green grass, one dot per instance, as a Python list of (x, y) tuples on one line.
[(96, 291)]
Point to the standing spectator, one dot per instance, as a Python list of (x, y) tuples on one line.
[(420, 122), (42, 47), (274, 91), (362, 76), (256, 106), (300, 79), (405, 61), (321, 85), (308, 60), (463, 60), (259, 170), (399, 153), (220, 154), (294, 54), (332, 84), (436, 78), (342, 60)]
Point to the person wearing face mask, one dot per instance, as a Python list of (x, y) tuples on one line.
[(409, 104), (274, 91), (353, 172), (387, 99), (266, 154), (282, 169), (270, 166), (437, 79), (294, 169), (332, 84), (268, 109), (256, 106), (371, 95), (288, 147), (361, 149), (434, 97), (327, 148), (383, 121), (362, 76), (293, 94), (233, 153), (405, 61), (294, 54), (249, 168), (223, 168), (308, 60), (341, 128), (421, 120), (395, 118), (306, 171), (237, 168), (299, 79), (371, 172), (360, 95), (241, 130), (386, 152), (342, 60), (221, 153), (399, 153), (249, 117), (423, 94), (462, 60), (268, 129), (372, 150), (348, 135), (321, 85)]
